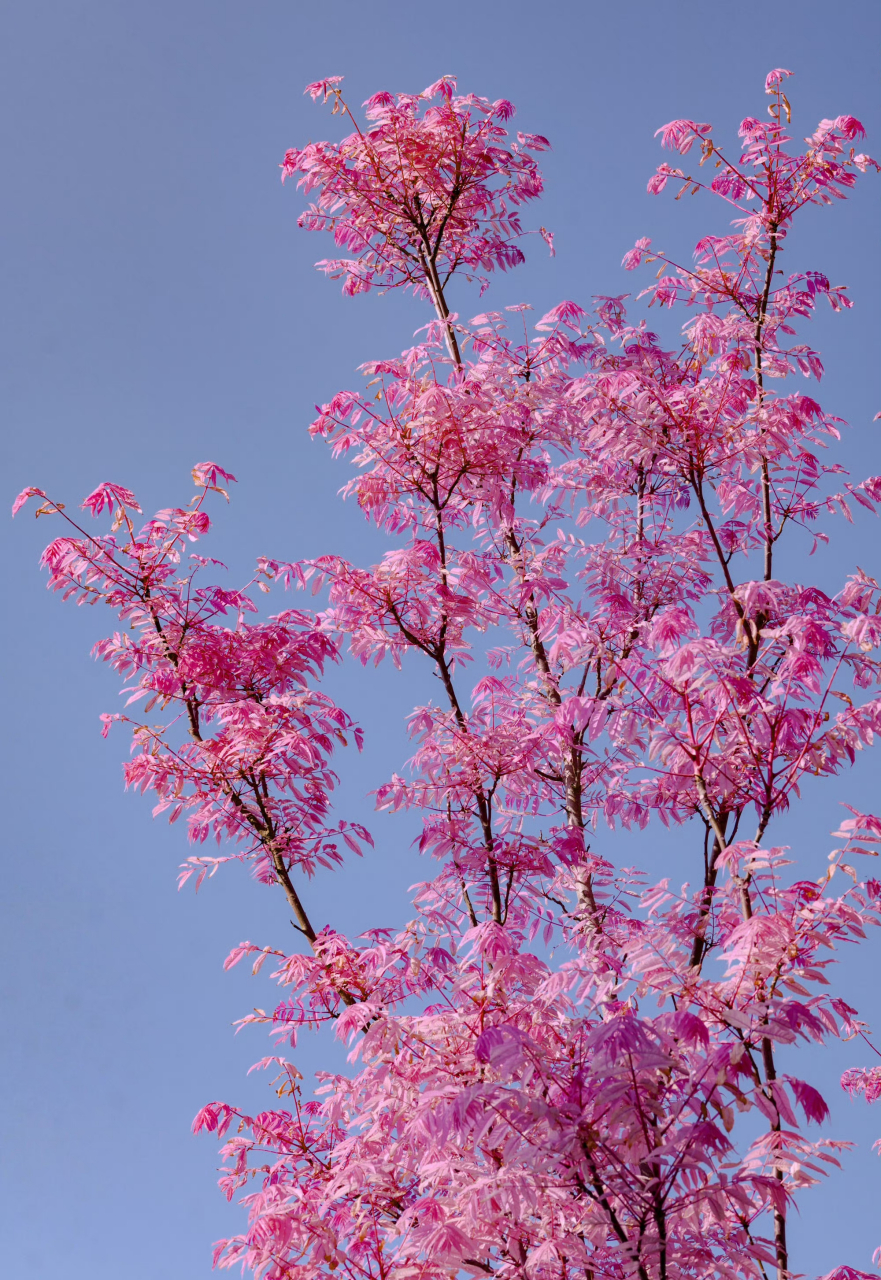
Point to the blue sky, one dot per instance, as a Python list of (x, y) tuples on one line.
[(160, 307)]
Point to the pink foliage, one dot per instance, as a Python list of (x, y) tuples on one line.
[(560, 1066), (430, 188), (862, 1080)]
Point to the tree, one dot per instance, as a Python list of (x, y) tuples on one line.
[(557, 1066)]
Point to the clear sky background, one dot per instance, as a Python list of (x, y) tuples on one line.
[(159, 308)]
